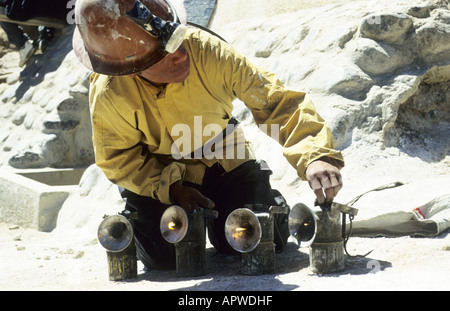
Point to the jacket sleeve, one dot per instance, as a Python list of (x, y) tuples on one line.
[(303, 133), (121, 155)]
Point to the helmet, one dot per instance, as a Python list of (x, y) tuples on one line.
[(122, 37)]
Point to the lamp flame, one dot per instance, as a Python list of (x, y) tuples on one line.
[(172, 225), (239, 232)]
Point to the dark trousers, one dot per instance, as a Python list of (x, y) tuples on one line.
[(19, 34), (247, 184)]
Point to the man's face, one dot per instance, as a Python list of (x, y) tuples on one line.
[(174, 68)]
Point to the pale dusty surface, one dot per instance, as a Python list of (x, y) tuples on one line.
[(37, 261)]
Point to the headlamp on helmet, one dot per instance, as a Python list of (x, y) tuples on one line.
[(169, 33)]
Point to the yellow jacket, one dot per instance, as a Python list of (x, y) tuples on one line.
[(137, 125)]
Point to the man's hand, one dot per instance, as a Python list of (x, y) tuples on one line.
[(325, 180), (189, 198)]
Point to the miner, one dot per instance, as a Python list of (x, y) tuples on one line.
[(161, 102)]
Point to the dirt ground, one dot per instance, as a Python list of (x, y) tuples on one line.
[(32, 260)]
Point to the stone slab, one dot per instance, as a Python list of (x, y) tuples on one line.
[(33, 198)]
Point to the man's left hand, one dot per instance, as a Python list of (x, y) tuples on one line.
[(325, 180)]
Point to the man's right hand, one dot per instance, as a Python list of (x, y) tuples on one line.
[(189, 198)]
